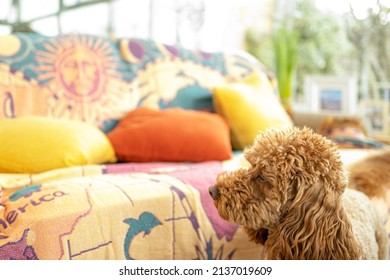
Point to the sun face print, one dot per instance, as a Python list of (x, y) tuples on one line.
[(80, 73)]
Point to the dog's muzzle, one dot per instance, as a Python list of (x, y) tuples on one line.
[(214, 192)]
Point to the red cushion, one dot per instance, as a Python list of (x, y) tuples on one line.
[(147, 135)]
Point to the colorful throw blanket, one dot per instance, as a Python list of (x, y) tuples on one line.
[(124, 211)]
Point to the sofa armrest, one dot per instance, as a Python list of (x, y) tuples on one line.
[(313, 119)]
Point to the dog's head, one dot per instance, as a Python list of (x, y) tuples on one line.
[(287, 168)]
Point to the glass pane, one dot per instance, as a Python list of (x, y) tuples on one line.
[(47, 26), (131, 18), (31, 9), (164, 24), (5, 6), (91, 20)]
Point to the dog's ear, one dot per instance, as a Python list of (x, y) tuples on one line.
[(315, 226)]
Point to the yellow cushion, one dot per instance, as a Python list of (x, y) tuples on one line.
[(37, 144), (250, 107)]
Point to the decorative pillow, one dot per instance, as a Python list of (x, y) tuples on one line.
[(36, 144), (174, 134), (250, 107)]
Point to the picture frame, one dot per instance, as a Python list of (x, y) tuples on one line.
[(382, 91), (331, 94), (375, 118)]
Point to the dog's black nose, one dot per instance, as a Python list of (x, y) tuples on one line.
[(214, 192)]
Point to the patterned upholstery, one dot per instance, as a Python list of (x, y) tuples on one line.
[(98, 80)]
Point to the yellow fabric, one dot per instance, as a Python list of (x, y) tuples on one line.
[(37, 144), (250, 107)]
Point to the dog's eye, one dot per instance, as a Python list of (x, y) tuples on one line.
[(260, 179)]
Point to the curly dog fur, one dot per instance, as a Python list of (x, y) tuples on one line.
[(371, 174), (292, 199)]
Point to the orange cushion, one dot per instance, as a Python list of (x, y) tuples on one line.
[(146, 135)]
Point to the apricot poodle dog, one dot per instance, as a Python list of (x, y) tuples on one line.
[(371, 174), (293, 200)]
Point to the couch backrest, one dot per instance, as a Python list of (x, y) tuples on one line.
[(98, 80)]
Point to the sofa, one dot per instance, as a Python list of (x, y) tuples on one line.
[(108, 146)]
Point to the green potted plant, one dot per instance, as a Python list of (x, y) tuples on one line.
[(285, 43)]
